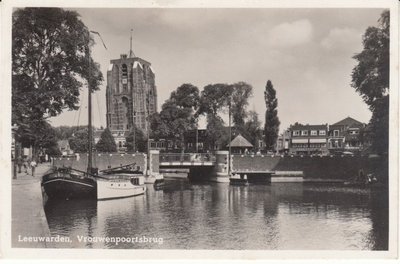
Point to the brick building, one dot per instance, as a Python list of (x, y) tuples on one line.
[(131, 95), (345, 135), (323, 139), (308, 139)]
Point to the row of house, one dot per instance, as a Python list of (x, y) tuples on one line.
[(343, 136)]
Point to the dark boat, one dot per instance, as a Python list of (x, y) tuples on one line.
[(68, 184)]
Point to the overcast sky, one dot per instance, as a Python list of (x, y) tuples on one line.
[(306, 53)]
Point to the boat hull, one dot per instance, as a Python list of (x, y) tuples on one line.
[(58, 187), (107, 189)]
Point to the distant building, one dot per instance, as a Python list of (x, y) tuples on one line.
[(345, 135), (322, 139), (283, 142), (240, 145), (131, 96), (63, 146), (308, 139)]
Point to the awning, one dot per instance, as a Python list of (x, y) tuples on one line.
[(317, 140), (300, 140)]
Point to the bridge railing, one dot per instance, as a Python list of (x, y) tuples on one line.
[(186, 157)]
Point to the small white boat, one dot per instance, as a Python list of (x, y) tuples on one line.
[(120, 186)]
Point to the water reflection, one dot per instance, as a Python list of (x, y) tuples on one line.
[(218, 216)]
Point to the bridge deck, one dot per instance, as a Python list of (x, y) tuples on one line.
[(187, 159)]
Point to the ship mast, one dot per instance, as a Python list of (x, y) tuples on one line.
[(90, 137)]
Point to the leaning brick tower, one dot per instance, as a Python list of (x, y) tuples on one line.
[(131, 94)]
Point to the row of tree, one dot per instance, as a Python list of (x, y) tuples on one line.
[(181, 112)]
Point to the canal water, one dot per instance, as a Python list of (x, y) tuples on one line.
[(185, 215)]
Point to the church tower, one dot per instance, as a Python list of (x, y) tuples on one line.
[(131, 94)]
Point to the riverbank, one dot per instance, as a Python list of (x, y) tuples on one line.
[(28, 218)]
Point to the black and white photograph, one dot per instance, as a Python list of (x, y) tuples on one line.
[(200, 127)]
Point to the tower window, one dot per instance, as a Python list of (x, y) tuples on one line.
[(124, 71)]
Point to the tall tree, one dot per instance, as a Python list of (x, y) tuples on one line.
[(106, 142), (241, 93), (212, 101), (178, 114), (158, 129), (79, 141), (136, 140), (216, 100), (272, 122), (370, 78), (252, 128), (50, 55)]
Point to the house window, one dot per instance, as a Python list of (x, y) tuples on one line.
[(322, 132), (314, 132), (296, 133), (304, 132)]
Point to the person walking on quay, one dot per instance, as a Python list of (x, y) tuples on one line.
[(19, 163), (25, 163), (33, 166)]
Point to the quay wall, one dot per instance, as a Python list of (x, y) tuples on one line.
[(103, 160), (325, 167)]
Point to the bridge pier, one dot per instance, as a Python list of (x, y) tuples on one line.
[(153, 174), (220, 170)]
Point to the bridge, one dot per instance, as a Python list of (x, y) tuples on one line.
[(187, 159)]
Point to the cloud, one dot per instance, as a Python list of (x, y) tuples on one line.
[(342, 39), (291, 34)]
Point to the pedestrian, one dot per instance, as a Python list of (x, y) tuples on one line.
[(33, 166), (19, 163), (25, 163)]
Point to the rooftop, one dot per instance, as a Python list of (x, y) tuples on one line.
[(240, 142)]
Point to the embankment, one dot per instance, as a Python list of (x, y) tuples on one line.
[(343, 168)]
